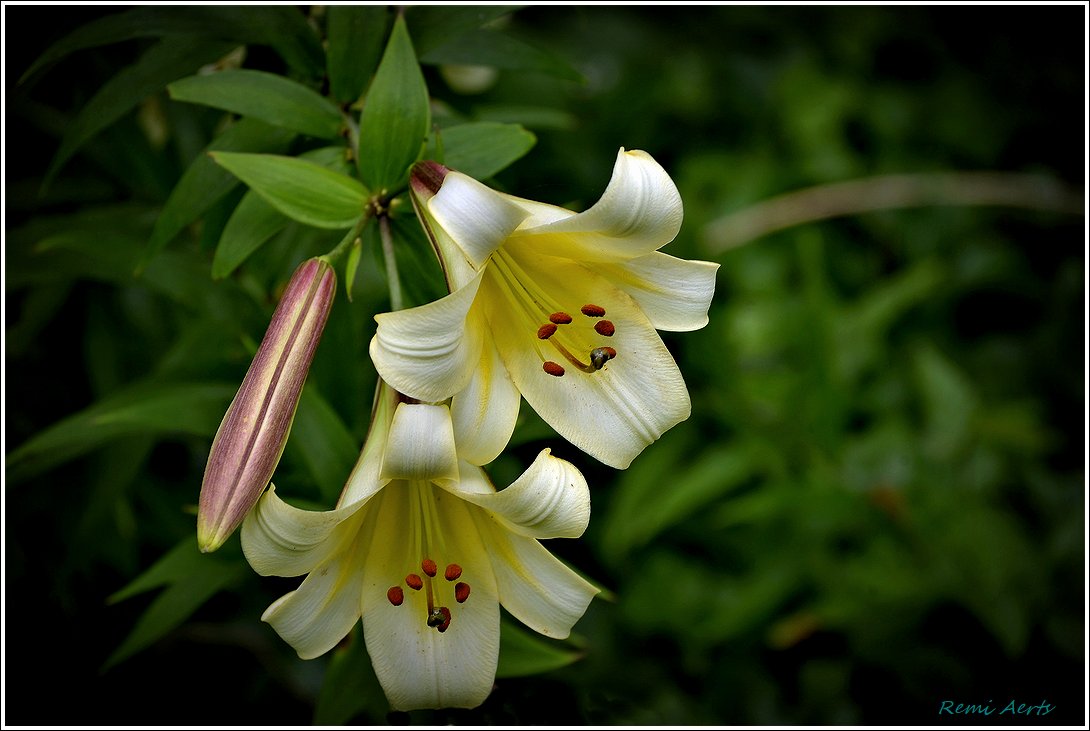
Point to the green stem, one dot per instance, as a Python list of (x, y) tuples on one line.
[(392, 278), (338, 251)]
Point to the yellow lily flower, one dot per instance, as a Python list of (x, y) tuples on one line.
[(424, 548), (557, 306)]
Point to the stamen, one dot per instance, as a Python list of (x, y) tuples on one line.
[(605, 327), (609, 351), (397, 596), (553, 369), (593, 310), (546, 331), (453, 572), (560, 318), (428, 566), (414, 582), (461, 591)]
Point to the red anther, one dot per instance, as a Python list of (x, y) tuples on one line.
[(395, 595), (446, 619), (461, 591), (610, 352), (453, 571), (560, 318), (414, 582), (553, 369), (546, 331), (593, 310), (604, 327), (428, 566)]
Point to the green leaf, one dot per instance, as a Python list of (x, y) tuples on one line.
[(147, 408), (301, 190), (949, 401), (434, 25), (482, 149), (352, 266), (204, 182), (282, 27), (254, 221), (261, 95), (523, 653), (171, 608), (715, 473), (350, 686), (181, 561), (164, 62), (396, 114), (355, 34), (323, 443), (491, 48)]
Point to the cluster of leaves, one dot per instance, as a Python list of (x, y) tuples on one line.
[(877, 504)]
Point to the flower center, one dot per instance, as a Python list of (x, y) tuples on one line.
[(424, 583), (577, 341)]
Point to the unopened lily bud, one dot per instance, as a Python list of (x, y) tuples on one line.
[(255, 429)]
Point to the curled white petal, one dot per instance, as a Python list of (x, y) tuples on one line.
[(484, 413), (421, 445), (429, 352), (639, 212), (317, 615), (675, 294), (549, 500), (475, 217), (281, 540), (534, 586)]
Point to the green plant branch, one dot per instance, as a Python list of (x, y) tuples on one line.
[(392, 278), (852, 197)]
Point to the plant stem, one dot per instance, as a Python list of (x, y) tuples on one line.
[(392, 278), (852, 197), (338, 251)]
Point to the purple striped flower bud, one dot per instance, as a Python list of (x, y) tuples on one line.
[(255, 429)]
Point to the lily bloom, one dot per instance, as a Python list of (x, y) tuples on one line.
[(254, 430), (557, 306), (425, 549)]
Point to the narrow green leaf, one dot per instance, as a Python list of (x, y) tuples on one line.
[(281, 27), (203, 183), (482, 149), (148, 408), (699, 483), (396, 114), (352, 266), (492, 48), (301, 190), (170, 59), (355, 34), (177, 563), (523, 653), (171, 608), (350, 686), (261, 95), (254, 221), (323, 443), (434, 25)]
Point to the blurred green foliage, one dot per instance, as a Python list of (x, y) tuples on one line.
[(877, 505)]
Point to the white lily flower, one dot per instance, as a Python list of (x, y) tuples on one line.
[(425, 549), (557, 306)]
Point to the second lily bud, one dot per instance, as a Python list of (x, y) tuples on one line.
[(252, 435)]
